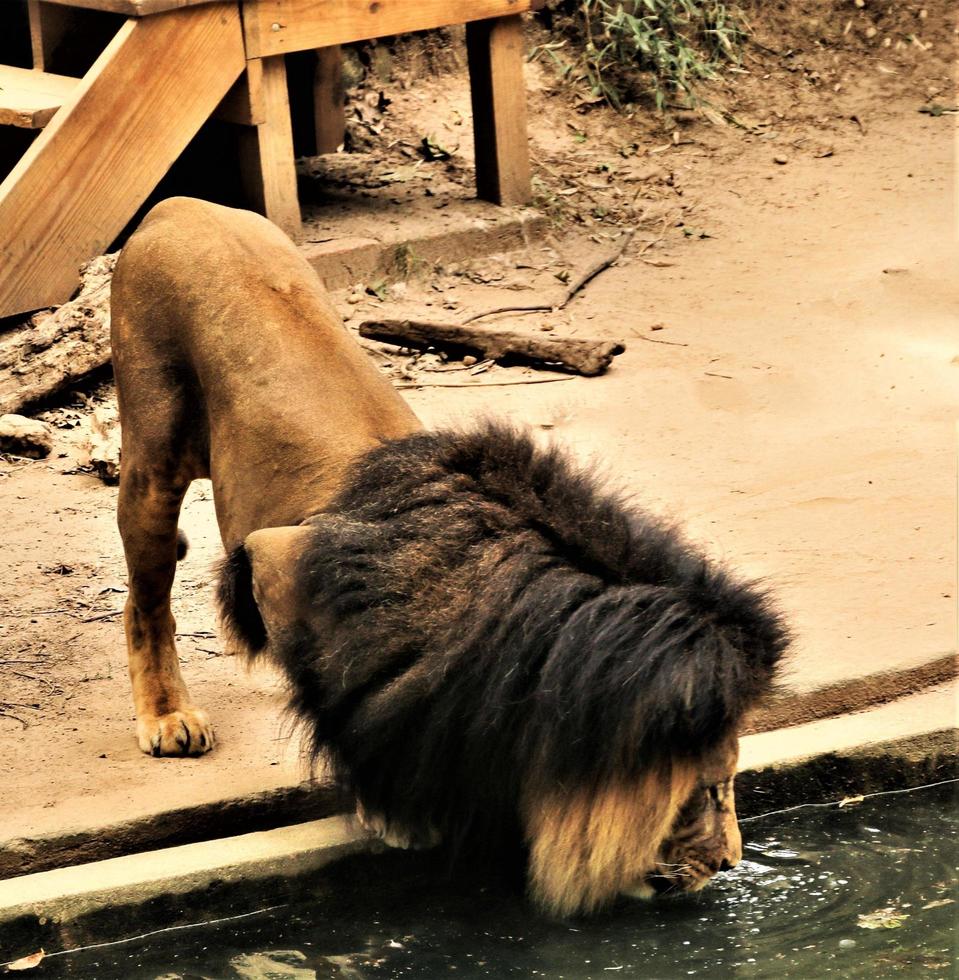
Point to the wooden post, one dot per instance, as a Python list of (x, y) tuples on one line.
[(329, 99), (267, 164), (48, 25), (496, 51)]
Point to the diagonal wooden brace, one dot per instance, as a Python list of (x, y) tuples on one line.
[(128, 120)]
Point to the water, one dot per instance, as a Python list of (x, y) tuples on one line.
[(801, 904)]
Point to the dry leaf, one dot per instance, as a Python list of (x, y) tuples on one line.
[(850, 801), (938, 903), (27, 962), (887, 918)]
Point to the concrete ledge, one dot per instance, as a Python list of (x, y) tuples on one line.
[(795, 707), (311, 800), (905, 743), (397, 253), (70, 893)]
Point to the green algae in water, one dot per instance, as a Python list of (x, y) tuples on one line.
[(862, 891)]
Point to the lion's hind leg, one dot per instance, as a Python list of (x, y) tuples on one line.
[(148, 510)]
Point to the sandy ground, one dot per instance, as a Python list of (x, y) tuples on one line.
[(788, 392)]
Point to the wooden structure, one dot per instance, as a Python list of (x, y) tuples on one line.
[(111, 135)]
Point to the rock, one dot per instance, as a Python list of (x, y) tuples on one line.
[(54, 350), (781, 160), (273, 965), (21, 436), (100, 450), (354, 71)]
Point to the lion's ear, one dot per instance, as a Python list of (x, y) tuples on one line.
[(260, 590)]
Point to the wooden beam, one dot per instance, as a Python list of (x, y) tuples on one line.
[(130, 117), (267, 165), (496, 51), (281, 26), (329, 100)]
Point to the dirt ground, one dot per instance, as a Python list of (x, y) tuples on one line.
[(789, 306)]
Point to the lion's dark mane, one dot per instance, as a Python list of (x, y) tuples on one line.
[(487, 611)]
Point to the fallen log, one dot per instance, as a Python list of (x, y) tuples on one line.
[(55, 349), (577, 354)]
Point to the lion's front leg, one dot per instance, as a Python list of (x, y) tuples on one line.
[(377, 825), (167, 722)]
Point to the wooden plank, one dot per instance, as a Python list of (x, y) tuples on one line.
[(134, 8), (267, 164), (87, 173), (329, 100), (29, 99), (496, 50), (278, 26), (243, 104), (49, 22)]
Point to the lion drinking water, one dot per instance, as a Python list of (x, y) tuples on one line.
[(486, 644)]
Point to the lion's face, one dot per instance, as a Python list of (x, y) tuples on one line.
[(704, 840), (705, 837), (669, 832)]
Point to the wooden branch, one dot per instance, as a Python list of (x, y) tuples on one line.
[(572, 288), (55, 350), (576, 354), (600, 265)]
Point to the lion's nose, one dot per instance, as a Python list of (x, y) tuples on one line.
[(727, 865)]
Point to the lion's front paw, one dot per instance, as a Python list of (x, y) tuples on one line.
[(184, 732), (375, 824)]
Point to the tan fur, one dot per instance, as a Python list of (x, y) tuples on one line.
[(231, 363), (589, 846)]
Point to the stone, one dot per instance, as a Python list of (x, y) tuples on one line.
[(273, 965), (21, 436)]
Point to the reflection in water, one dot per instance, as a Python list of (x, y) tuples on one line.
[(863, 891)]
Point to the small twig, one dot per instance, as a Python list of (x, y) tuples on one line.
[(573, 287), (6, 714), (533, 308), (600, 265), (712, 374), (101, 616), (653, 340), (485, 384)]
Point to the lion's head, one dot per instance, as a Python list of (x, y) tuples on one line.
[(488, 647)]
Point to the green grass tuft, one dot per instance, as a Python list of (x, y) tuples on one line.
[(661, 48)]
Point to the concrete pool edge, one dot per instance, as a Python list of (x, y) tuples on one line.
[(908, 742), (312, 799), (197, 874)]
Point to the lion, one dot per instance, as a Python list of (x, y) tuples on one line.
[(491, 649)]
